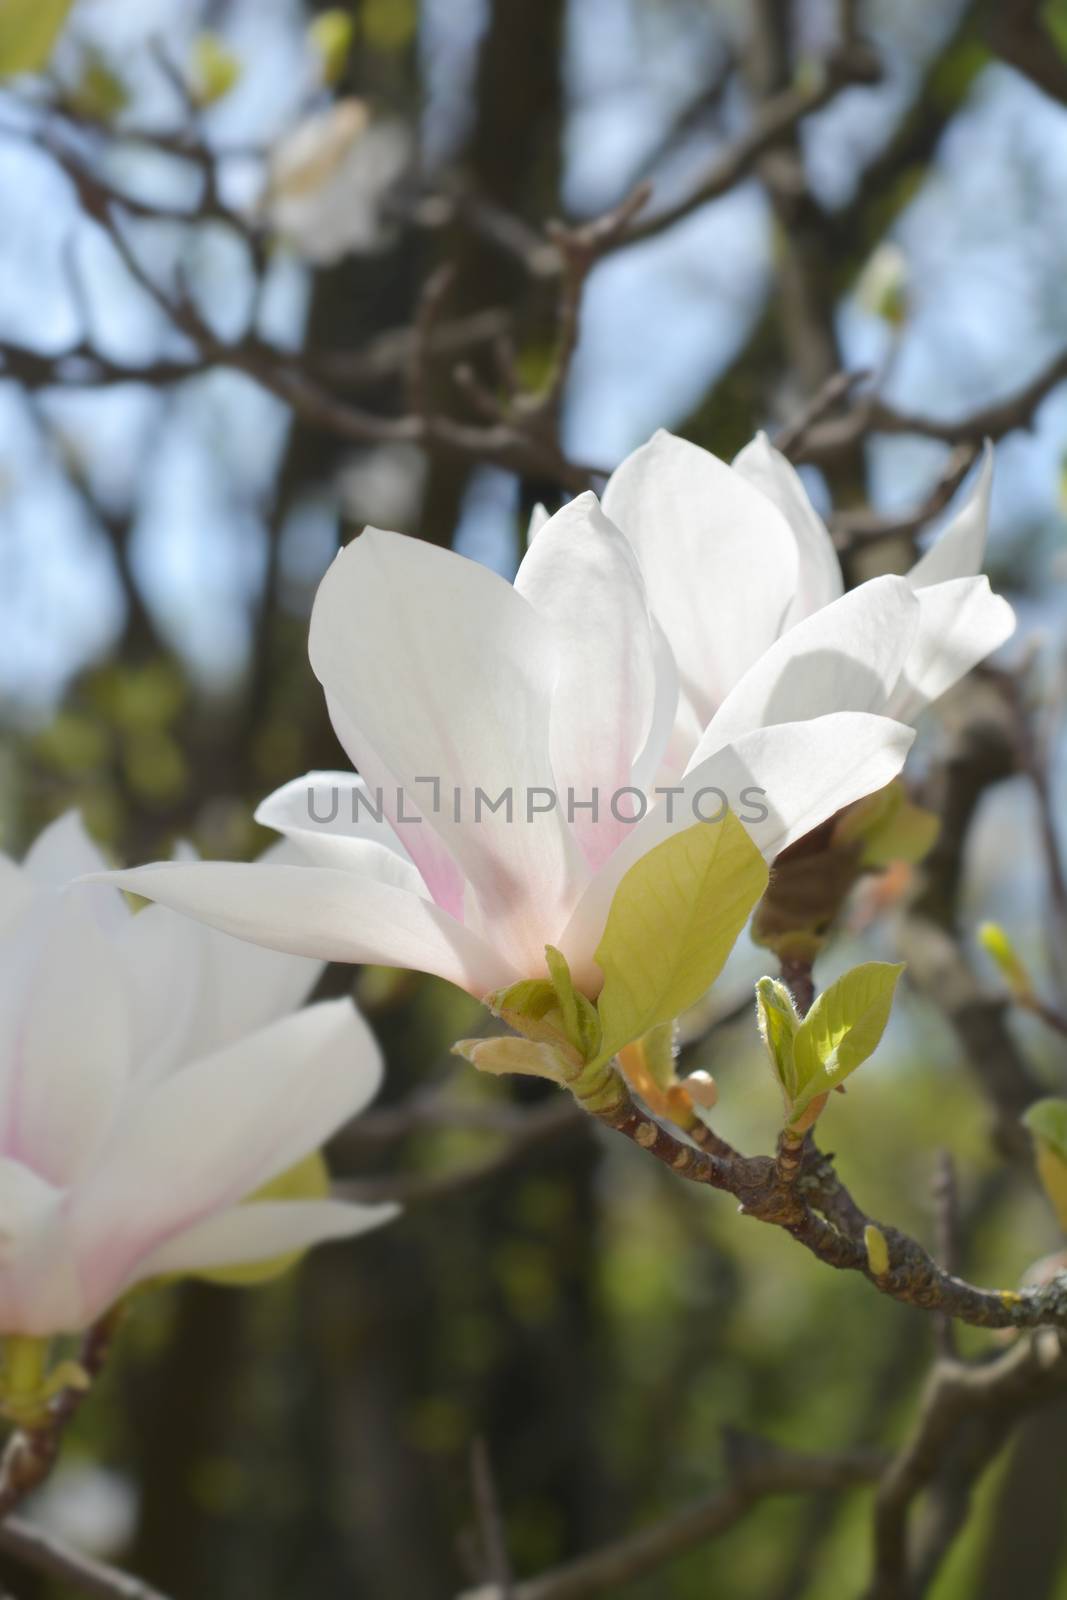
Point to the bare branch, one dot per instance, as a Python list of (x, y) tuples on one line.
[(758, 1472), (44, 1553)]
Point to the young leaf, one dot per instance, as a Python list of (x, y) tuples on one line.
[(997, 945), (581, 1024), (842, 1029), (331, 35), (506, 1055), (28, 32), (1047, 1121), (674, 920), (215, 69), (778, 1022)]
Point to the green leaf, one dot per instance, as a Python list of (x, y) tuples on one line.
[(675, 918), (842, 1029), (1047, 1121), (215, 69), (778, 1022), (307, 1180), (889, 827), (330, 36), (581, 1023), (531, 1007), (28, 33), (997, 945), (508, 1054)]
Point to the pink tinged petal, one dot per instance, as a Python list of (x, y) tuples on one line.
[(209, 1135), (781, 782), (40, 1285), (259, 1231), (326, 913), (332, 816), (581, 576), (959, 550), (68, 1064), (819, 580), (657, 750), (410, 828), (447, 673), (960, 623), (847, 657), (719, 561)]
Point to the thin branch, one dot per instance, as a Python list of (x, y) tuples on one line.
[(999, 1392), (817, 1210), (496, 1564), (45, 1554), (832, 438), (758, 1473)]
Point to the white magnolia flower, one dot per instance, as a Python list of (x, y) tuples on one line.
[(153, 1076), (328, 177), (743, 577), (444, 681)]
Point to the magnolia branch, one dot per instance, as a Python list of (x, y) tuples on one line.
[(995, 1396), (756, 1472), (45, 1554), (817, 1210)]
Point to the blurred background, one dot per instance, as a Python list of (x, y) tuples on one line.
[(165, 517)]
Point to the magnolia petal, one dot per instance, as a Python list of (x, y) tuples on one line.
[(581, 576), (337, 821), (959, 551), (418, 840), (781, 782), (718, 557), (211, 1134), (447, 673), (323, 912), (819, 580), (66, 1060), (40, 1286), (258, 1231), (847, 657), (960, 623)]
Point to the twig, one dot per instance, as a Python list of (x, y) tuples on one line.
[(851, 528), (31, 1453), (492, 1537), (998, 1392), (819, 1212), (759, 1473), (946, 1204), (829, 439), (44, 1553)]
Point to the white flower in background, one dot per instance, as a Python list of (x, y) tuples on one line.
[(153, 1076), (328, 177), (436, 668), (743, 577)]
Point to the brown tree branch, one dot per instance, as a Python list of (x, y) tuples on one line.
[(997, 1394), (758, 1473)]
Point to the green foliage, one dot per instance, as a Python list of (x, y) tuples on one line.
[(581, 1024), (1047, 1121), (997, 945), (29, 30), (888, 827), (389, 25), (215, 69), (99, 93), (307, 1180), (843, 1028), (675, 918), (330, 35)]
